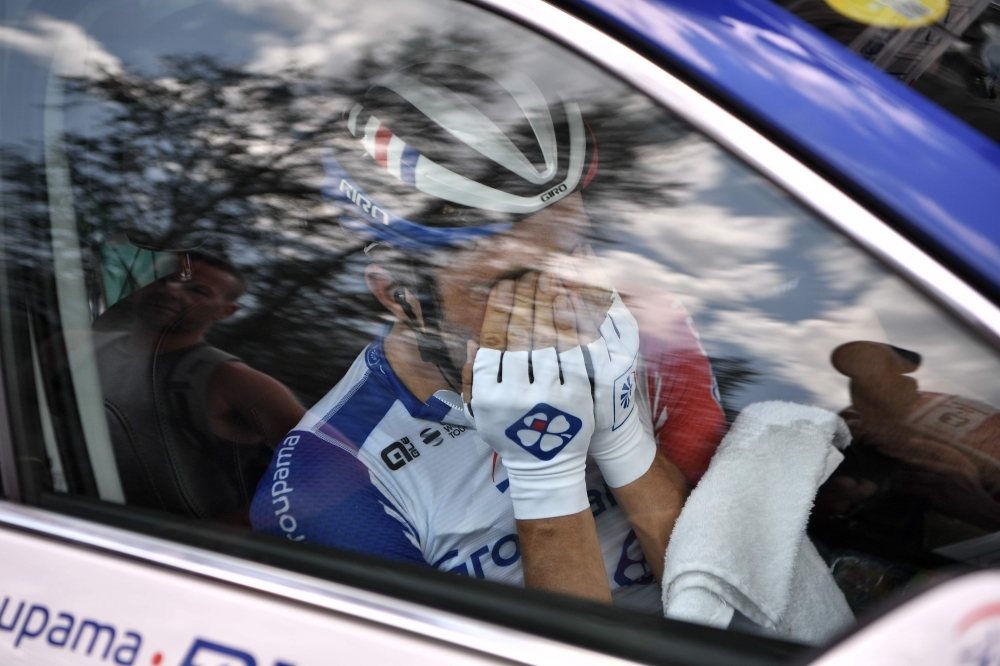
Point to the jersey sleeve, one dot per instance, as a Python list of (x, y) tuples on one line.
[(688, 420), (317, 492)]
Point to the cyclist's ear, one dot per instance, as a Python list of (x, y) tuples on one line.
[(393, 295)]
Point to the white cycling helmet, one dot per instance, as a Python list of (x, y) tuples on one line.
[(444, 151)]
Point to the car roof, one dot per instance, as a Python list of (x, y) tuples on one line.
[(937, 178)]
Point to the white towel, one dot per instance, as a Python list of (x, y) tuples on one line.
[(740, 541)]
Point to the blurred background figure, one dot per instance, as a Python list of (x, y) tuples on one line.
[(192, 426), (923, 472), (949, 445)]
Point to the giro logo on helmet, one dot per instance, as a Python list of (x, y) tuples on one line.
[(554, 191), (544, 431), (363, 202)]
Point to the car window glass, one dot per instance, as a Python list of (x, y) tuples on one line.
[(248, 243), (947, 51)]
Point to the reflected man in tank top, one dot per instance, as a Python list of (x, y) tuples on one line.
[(192, 426)]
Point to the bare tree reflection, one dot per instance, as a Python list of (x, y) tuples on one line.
[(214, 155)]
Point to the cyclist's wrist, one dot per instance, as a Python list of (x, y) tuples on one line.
[(624, 455)]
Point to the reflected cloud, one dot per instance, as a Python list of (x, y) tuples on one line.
[(675, 29), (63, 45), (798, 352), (327, 33), (778, 287), (864, 107)]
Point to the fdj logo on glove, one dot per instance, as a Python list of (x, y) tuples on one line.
[(544, 431)]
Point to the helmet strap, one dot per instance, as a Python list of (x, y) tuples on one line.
[(429, 340)]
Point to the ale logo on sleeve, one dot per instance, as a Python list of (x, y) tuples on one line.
[(544, 431)]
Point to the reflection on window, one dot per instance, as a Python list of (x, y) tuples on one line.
[(273, 242), (950, 52)]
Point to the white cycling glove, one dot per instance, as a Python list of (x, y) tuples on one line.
[(623, 449), (539, 422)]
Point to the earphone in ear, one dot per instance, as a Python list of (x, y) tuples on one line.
[(400, 297)]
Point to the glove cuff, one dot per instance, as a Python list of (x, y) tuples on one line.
[(623, 459), (558, 497)]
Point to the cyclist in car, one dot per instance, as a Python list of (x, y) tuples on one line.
[(192, 427), (460, 438)]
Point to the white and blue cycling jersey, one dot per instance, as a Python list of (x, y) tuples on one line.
[(372, 469)]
